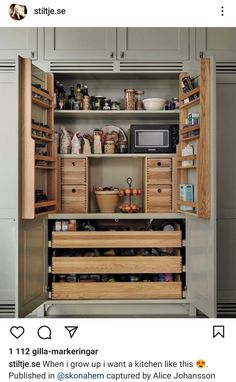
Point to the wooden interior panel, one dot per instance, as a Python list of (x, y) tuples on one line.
[(112, 265), (73, 171), (116, 290), (117, 239)]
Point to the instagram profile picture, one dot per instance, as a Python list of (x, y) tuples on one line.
[(17, 11)]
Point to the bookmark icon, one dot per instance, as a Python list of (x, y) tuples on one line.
[(72, 330)]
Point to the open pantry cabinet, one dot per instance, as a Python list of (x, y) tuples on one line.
[(43, 252)]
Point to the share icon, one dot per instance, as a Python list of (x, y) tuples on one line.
[(71, 330)]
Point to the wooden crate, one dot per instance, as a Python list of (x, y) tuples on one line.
[(159, 198), (119, 264), (73, 198), (159, 171), (117, 239), (116, 290), (73, 171)]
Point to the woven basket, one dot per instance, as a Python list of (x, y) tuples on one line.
[(107, 201)]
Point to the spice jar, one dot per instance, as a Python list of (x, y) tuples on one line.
[(109, 147), (86, 103), (129, 98), (139, 102)]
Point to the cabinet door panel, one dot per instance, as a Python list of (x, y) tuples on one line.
[(80, 43), (8, 257), (33, 265), (153, 43), (226, 155), (201, 232), (217, 42), (18, 41), (9, 146)]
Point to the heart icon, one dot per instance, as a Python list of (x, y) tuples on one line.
[(17, 331)]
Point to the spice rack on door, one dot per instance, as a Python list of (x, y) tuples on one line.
[(38, 170), (199, 172)]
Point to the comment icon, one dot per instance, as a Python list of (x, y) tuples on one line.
[(45, 333)]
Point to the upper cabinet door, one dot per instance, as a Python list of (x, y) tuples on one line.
[(153, 44), (80, 43), (217, 42), (18, 41)]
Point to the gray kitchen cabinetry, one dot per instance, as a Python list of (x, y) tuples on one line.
[(153, 43), (217, 42), (116, 43), (18, 41), (80, 43)]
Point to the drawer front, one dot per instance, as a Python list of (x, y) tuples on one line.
[(114, 265), (159, 171), (116, 290), (159, 198), (73, 198), (73, 171), (117, 239)]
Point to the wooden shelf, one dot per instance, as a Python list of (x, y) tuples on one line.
[(116, 290), (188, 204), (189, 94), (193, 138), (117, 264), (44, 213), (186, 168), (117, 239), (45, 105), (45, 158), (43, 129), (45, 167), (190, 104), (187, 157), (46, 203), (188, 212), (42, 93), (187, 128), (37, 138), (120, 114)]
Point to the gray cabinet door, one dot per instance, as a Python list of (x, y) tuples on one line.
[(18, 41), (201, 234), (32, 266), (226, 154), (80, 43), (9, 142), (153, 43), (217, 42)]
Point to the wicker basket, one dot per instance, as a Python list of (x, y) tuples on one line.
[(107, 201)]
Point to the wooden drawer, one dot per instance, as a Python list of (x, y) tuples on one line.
[(116, 290), (159, 198), (159, 171), (73, 198), (73, 171), (117, 239), (113, 265)]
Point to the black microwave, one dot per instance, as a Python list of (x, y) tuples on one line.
[(154, 138)]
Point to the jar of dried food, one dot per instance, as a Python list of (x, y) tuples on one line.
[(139, 99), (109, 147), (129, 98)]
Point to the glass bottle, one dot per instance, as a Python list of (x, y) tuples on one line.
[(129, 98), (139, 102), (61, 97)]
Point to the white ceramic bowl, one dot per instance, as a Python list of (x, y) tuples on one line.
[(154, 103)]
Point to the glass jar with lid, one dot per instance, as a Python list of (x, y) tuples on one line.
[(129, 98), (139, 99)]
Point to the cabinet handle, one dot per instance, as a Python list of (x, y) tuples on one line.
[(73, 190), (122, 54), (159, 190), (112, 55), (73, 163), (158, 164), (32, 54)]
